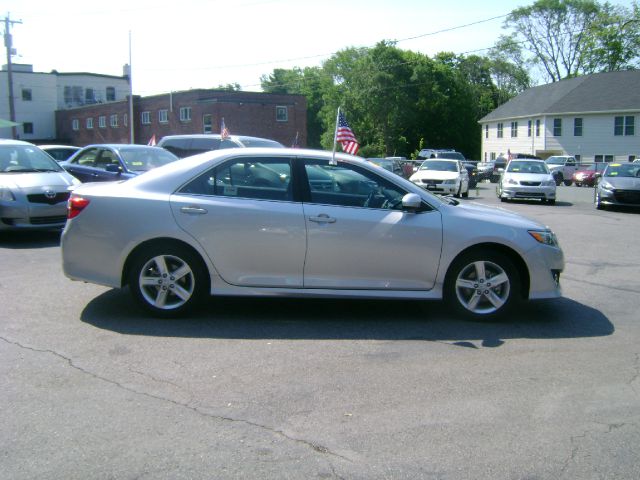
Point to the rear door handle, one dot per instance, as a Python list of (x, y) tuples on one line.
[(193, 210), (322, 218)]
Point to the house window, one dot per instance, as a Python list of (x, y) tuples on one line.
[(89, 95), (486, 131), (557, 127), (578, 158), (75, 124), (26, 95), (603, 158), (282, 114), (125, 120), (163, 116), (146, 118), (207, 123), (113, 121), (493, 155), (529, 128), (27, 128), (102, 121), (111, 94), (537, 128), (577, 127), (500, 130), (624, 126), (185, 114), (89, 123), (514, 129)]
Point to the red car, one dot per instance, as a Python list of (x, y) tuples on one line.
[(588, 173)]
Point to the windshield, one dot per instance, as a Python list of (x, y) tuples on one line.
[(451, 155), (523, 166), (259, 142), (623, 170), (439, 166), (26, 158), (143, 159), (555, 161)]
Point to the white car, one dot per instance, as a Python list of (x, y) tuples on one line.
[(526, 180), (448, 177)]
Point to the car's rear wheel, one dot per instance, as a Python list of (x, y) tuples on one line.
[(483, 284), (167, 280), (558, 178)]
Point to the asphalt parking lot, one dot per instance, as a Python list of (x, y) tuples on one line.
[(302, 389)]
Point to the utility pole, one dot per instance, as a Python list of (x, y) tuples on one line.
[(8, 43)]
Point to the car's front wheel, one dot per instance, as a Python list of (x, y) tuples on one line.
[(167, 280), (482, 284)]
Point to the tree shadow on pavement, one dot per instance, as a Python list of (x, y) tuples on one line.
[(330, 319)]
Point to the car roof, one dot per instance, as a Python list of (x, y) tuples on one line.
[(213, 135), (9, 141), (117, 146)]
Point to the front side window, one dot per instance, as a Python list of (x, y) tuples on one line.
[(259, 178), (557, 127), (185, 114), (349, 185), (86, 158), (146, 118)]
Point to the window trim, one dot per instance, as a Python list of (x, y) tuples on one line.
[(145, 118), (163, 116), (557, 127), (282, 113), (185, 114)]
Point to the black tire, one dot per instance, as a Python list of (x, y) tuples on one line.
[(168, 280), (470, 289), (551, 201), (558, 178), (567, 183)]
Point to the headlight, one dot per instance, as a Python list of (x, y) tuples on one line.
[(450, 182), (606, 185), (511, 181), (548, 183), (546, 237), (7, 195)]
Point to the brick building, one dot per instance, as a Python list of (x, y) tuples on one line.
[(279, 117)]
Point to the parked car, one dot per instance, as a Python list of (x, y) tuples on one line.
[(59, 153), (390, 164), (527, 179), (192, 144), (588, 173), (110, 162), (448, 177), (34, 189), (189, 229), (485, 170), (562, 168), (430, 153), (618, 185), (499, 164)]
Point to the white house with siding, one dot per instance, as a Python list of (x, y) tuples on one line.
[(593, 117)]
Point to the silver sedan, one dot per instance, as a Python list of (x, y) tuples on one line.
[(295, 223)]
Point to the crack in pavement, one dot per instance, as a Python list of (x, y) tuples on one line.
[(314, 446)]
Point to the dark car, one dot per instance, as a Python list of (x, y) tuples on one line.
[(588, 174), (109, 162), (193, 144)]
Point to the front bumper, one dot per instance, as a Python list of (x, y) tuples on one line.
[(625, 198), (514, 192)]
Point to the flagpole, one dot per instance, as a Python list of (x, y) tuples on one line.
[(335, 137)]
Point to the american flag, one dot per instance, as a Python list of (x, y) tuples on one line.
[(224, 132), (345, 136)]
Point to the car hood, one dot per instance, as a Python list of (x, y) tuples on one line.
[(38, 179), (624, 183), (497, 215), (527, 177), (433, 175)]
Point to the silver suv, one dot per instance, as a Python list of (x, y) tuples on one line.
[(187, 145)]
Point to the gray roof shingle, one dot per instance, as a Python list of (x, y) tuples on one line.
[(600, 92)]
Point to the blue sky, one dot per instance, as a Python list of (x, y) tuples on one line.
[(206, 43)]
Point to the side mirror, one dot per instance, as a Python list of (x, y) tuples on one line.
[(113, 168), (411, 202)]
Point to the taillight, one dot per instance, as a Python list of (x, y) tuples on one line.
[(75, 205)]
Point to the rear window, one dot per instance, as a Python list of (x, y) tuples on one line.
[(260, 142)]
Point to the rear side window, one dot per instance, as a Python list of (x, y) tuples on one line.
[(255, 178), (178, 146), (201, 145)]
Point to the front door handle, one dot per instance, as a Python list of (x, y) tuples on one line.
[(193, 210), (322, 218)]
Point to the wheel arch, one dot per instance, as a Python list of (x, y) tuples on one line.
[(124, 280), (510, 253)]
